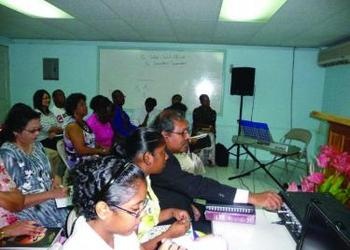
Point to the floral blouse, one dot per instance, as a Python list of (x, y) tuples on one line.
[(32, 174), (6, 217)]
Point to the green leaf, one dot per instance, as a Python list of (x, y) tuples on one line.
[(325, 186), (336, 184)]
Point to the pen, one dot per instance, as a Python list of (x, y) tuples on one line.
[(194, 233)]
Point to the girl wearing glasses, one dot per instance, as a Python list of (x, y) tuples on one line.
[(29, 167), (146, 148), (109, 197)]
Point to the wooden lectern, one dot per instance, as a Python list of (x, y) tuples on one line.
[(339, 130)]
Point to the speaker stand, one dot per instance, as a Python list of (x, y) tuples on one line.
[(236, 145)]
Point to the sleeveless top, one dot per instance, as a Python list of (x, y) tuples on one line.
[(73, 158)]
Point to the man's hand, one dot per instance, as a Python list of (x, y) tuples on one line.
[(269, 200), (196, 212)]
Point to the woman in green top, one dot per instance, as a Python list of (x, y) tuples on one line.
[(146, 148)]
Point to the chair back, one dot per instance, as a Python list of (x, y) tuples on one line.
[(299, 137), (299, 134), (62, 152), (70, 222)]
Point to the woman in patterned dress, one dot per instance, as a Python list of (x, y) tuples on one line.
[(79, 140), (29, 167), (12, 200)]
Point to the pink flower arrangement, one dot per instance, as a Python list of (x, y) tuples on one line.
[(334, 178)]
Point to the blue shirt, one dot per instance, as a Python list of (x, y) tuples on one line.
[(121, 122)]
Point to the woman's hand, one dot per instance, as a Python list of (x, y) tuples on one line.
[(59, 192), (196, 212), (179, 214), (178, 228), (169, 245), (54, 131), (22, 228), (104, 151)]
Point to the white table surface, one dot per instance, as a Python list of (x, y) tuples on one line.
[(263, 235)]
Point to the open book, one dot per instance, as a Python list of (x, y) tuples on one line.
[(38, 242)]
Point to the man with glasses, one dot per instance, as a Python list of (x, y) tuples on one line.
[(177, 188)]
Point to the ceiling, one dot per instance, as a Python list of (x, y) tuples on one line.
[(298, 23)]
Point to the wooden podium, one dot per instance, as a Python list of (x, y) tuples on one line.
[(339, 130)]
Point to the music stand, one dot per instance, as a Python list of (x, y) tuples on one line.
[(259, 132)]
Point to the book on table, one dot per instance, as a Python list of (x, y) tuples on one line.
[(238, 212), (39, 242)]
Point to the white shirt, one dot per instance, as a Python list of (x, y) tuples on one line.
[(84, 237), (140, 114), (46, 122), (60, 114)]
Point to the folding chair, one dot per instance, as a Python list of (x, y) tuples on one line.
[(298, 137)]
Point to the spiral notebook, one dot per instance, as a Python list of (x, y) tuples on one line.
[(238, 213)]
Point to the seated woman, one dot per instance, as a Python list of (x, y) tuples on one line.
[(109, 197), (146, 148), (79, 140), (100, 121), (12, 200), (50, 132), (29, 167)]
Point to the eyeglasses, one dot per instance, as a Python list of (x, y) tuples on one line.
[(134, 214), (183, 133), (33, 131)]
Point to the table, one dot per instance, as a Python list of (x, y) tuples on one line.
[(263, 235)]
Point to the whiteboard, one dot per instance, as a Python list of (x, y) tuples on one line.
[(161, 74)]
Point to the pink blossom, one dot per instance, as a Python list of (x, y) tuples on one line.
[(293, 187), (341, 162), (322, 160), (328, 150), (307, 186), (316, 178)]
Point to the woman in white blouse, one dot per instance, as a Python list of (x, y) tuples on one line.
[(50, 132), (109, 197)]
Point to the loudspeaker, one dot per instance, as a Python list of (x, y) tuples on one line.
[(50, 68), (242, 81)]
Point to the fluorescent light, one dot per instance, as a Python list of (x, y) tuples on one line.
[(249, 10), (35, 8)]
